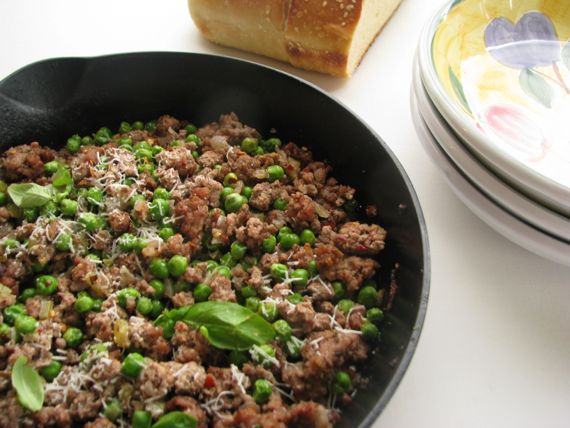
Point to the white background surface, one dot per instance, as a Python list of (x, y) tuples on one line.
[(495, 348)]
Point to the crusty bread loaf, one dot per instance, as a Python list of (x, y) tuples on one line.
[(330, 36)]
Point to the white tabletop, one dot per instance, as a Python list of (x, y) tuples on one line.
[(495, 347)]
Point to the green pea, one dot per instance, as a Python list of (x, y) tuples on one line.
[(342, 382), (132, 365), (73, 144), (84, 304), (339, 290), (161, 193), (193, 138), (113, 409), (159, 209), (25, 324), (73, 337), (51, 166), (234, 202), (156, 150), (312, 267), (202, 292), (230, 179), (145, 168), (248, 291), (249, 145), (195, 154), (138, 125), (126, 141), (51, 371), (133, 199), (375, 315), (301, 277), (26, 294), (10, 244), (283, 329), (279, 271), (307, 237), (289, 240), (225, 192), (85, 141), (91, 221), (49, 209), (141, 419), (166, 232), (280, 204), (211, 265), (158, 287), (127, 242), (283, 231), (271, 144), (368, 296), (159, 268), (369, 331), (97, 305), (63, 242), (30, 214), (268, 310), (157, 308), (150, 126), (293, 347), (238, 250), (247, 192), (12, 312), (252, 303), (275, 172), (177, 265), (345, 305), (103, 135), (125, 294), (258, 151), (125, 127), (191, 128), (46, 285), (143, 154), (68, 207), (268, 244), (224, 271), (262, 390)]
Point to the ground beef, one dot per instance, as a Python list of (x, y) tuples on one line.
[(25, 162), (182, 370), (361, 239)]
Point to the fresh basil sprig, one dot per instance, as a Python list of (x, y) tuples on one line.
[(62, 177), (29, 195), (228, 325), (28, 384), (175, 420)]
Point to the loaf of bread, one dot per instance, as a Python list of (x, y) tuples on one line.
[(330, 36)]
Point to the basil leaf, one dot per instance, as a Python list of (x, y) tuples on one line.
[(175, 420), (229, 326), (28, 385), (62, 177), (29, 195)]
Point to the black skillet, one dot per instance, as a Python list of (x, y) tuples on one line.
[(50, 100)]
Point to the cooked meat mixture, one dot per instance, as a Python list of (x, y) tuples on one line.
[(181, 276)]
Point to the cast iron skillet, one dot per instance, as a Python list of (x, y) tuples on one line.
[(50, 100)]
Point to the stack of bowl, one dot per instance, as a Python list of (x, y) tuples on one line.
[(491, 103)]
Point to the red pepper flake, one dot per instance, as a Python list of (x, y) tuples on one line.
[(210, 381)]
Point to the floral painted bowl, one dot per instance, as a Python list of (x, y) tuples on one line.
[(499, 73)]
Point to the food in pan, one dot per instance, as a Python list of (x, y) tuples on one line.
[(171, 276)]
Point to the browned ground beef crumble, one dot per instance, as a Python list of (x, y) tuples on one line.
[(185, 372)]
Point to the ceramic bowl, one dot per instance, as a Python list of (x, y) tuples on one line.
[(483, 207), (492, 186), (499, 73)]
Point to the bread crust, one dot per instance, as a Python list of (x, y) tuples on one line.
[(311, 34)]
